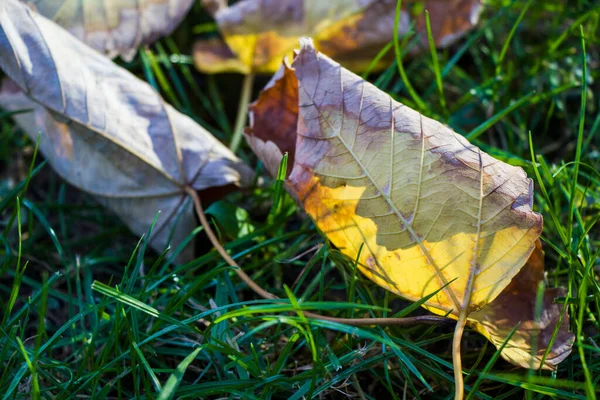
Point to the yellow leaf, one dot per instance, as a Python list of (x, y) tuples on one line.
[(260, 33), (429, 207), (431, 210)]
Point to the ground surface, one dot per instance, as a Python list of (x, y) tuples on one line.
[(129, 334)]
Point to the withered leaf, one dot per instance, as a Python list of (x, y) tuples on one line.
[(116, 27), (431, 209), (258, 33), (107, 132)]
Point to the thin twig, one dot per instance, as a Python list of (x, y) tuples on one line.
[(408, 321)]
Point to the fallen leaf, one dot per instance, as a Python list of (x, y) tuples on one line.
[(516, 305), (106, 131), (422, 199), (259, 33), (116, 27), (430, 209)]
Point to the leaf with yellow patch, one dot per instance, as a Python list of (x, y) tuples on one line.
[(259, 33), (428, 205), (430, 209)]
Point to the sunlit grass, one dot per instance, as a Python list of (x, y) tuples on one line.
[(88, 310)]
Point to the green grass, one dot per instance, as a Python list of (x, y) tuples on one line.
[(89, 310)]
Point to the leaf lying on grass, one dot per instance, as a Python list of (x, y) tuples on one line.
[(116, 27), (428, 205), (430, 208), (107, 132), (259, 33)]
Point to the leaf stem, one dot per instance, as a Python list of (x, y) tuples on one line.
[(242, 112), (407, 321), (459, 384)]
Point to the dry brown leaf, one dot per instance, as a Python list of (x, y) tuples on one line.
[(106, 131), (430, 209), (259, 33), (116, 27), (363, 165)]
